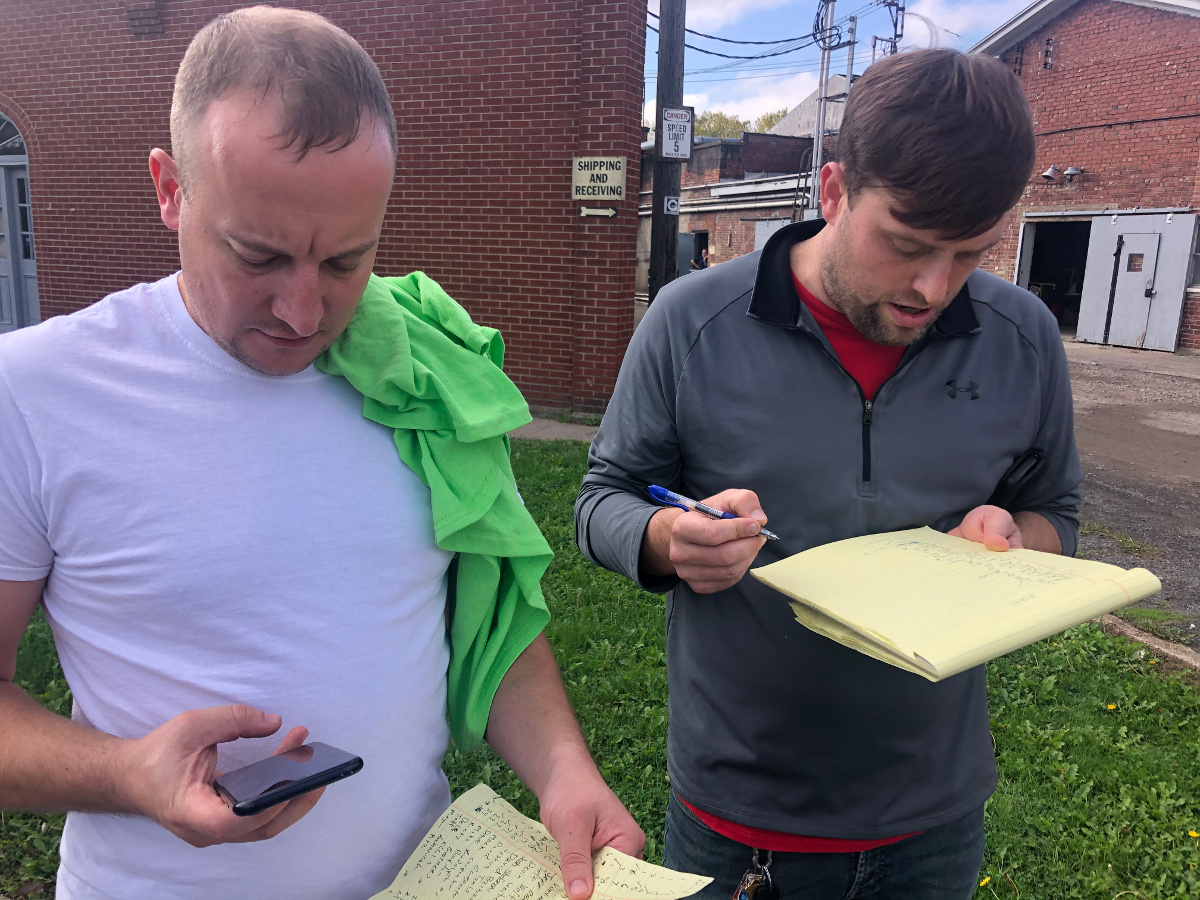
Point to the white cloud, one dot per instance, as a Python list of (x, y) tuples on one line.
[(750, 98), (747, 99), (964, 22), (705, 15)]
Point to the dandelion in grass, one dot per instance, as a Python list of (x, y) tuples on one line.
[(1194, 834), (1112, 706), (985, 881)]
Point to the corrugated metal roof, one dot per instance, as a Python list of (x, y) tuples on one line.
[(1034, 17)]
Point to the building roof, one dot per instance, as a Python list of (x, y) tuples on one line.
[(1030, 19), (801, 121)]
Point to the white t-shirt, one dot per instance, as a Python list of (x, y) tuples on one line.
[(214, 536)]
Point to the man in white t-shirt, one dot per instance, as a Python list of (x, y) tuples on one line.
[(225, 548)]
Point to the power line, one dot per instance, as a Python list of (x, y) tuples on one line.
[(713, 37), (801, 46), (827, 38), (749, 77), (800, 43), (774, 71), (770, 67), (765, 67)]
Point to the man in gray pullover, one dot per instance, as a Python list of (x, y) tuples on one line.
[(857, 375)]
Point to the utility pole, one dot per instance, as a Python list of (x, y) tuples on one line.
[(829, 37), (664, 227), (852, 43), (888, 46), (823, 40)]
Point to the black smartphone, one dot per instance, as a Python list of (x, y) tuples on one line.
[(276, 779)]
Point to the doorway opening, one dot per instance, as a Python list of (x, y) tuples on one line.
[(1056, 268), (699, 250)]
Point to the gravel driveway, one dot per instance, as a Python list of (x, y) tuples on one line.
[(1137, 423)]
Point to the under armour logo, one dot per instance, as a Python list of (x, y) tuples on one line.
[(972, 388)]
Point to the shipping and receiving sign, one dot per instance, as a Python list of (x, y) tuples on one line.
[(598, 178), (676, 129)]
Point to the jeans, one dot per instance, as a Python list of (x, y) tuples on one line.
[(940, 864)]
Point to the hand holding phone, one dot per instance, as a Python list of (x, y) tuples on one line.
[(285, 776), (167, 776)]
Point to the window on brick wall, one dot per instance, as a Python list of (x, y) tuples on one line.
[(1194, 278), (11, 142)]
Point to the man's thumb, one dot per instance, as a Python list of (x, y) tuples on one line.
[(219, 724), (576, 861)]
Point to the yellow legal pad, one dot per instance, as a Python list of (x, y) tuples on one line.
[(937, 605), (483, 849)]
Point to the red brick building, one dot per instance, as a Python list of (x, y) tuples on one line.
[(1115, 91), (493, 99), (1106, 232), (732, 193)]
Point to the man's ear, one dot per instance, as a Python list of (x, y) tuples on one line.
[(834, 198), (165, 174)]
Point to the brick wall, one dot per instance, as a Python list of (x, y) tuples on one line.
[(1121, 101), (730, 232), (492, 100), (710, 163), (1189, 328), (775, 154)]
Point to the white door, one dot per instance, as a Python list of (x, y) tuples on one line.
[(1165, 243), (1134, 289), (1025, 253), (18, 258), (764, 228)]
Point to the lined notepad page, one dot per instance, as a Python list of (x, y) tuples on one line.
[(483, 849), (937, 604)]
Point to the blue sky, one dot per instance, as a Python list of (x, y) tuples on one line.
[(748, 89)]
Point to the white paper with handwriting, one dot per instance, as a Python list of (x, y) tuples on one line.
[(483, 849)]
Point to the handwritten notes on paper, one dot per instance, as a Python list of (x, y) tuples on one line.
[(937, 605), (483, 849)]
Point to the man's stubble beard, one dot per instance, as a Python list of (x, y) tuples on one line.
[(870, 319), (237, 352), (234, 347)]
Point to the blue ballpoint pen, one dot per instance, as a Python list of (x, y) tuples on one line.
[(670, 498)]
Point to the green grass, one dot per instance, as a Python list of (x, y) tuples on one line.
[(1093, 802), (29, 843), (1123, 542), (1163, 623)]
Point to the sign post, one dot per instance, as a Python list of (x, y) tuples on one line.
[(677, 126), (676, 120)]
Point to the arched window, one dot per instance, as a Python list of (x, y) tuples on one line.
[(11, 142)]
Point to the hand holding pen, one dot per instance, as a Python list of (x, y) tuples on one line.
[(710, 554), (670, 498)]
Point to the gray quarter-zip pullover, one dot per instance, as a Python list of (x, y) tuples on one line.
[(729, 383)]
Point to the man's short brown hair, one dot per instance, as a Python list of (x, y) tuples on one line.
[(950, 135), (324, 79)]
